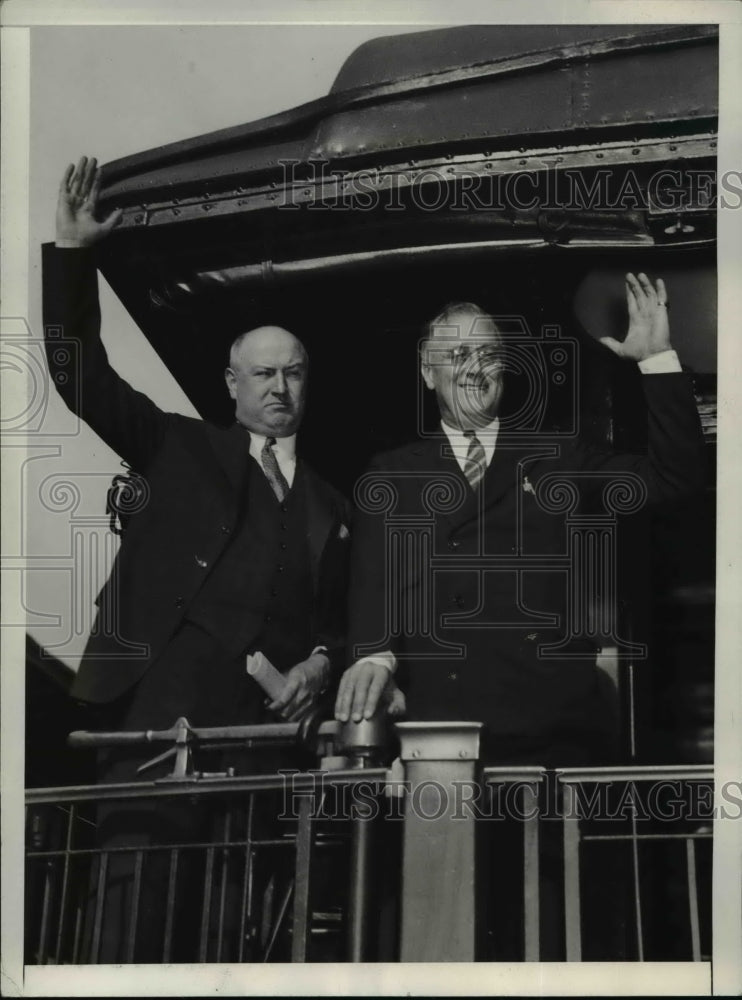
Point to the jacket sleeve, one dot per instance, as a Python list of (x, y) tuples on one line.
[(127, 420), (675, 463)]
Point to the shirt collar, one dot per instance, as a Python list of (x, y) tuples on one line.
[(286, 446), (487, 434)]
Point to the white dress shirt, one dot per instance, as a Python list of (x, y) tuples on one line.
[(658, 364), (284, 449), (460, 443)]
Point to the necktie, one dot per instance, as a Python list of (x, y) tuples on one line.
[(475, 462), (272, 472)]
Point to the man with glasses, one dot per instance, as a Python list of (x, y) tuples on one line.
[(465, 640)]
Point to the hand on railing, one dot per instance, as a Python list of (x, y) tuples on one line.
[(365, 687)]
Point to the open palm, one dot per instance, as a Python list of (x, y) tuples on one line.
[(77, 203), (649, 328)]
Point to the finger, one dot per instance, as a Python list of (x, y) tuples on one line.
[(373, 694), (297, 712), (661, 292), (647, 286), (398, 704), (95, 186), (631, 302), (290, 691), (64, 185), (111, 221), (345, 695), (359, 696), (88, 178), (78, 175), (611, 344), (634, 285)]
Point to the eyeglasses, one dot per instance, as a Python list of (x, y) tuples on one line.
[(483, 354)]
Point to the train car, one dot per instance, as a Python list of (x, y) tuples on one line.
[(525, 168)]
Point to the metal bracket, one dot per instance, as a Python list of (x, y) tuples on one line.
[(181, 751)]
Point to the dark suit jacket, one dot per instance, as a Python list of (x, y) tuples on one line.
[(196, 475), (471, 593)]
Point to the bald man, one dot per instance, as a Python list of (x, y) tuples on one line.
[(238, 547)]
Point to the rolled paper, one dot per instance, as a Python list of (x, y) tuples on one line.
[(262, 670)]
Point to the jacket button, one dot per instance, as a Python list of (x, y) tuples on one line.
[(453, 543), (279, 569), (284, 545), (179, 602), (225, 529), (453, 676), (268, 619)]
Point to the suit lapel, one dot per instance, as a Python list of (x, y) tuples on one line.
[(435, 455), (501, 473), (320, 518), (231, 448)]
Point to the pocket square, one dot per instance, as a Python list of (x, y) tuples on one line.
[(343, 532)]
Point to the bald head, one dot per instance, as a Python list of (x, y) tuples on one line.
[(267, 378), (260, 339)]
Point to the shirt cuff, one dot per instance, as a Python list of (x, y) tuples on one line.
[(660, 364), (386, 659), (69, 244)]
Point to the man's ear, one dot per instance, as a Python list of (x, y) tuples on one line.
[(231, 379), (426, 373)]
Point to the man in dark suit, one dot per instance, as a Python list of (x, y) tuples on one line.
[(461, 580), (236, 546), (479, 628)]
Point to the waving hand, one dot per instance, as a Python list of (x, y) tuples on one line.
[(77, 225)]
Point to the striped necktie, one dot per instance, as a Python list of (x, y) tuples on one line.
[(475, 462), (272, 471)]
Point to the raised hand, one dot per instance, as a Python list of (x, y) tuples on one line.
[(77, 203), (649, 327)]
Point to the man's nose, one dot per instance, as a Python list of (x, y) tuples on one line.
[(279, 385)]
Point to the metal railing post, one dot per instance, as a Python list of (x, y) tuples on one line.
[(527, 780), (438, 861)]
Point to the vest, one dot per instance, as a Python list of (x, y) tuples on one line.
[(259, 594)]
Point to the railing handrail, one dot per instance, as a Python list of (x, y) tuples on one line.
[(298, 781), (636, 772)]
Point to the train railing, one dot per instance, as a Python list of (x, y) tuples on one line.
[(355, 859)]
